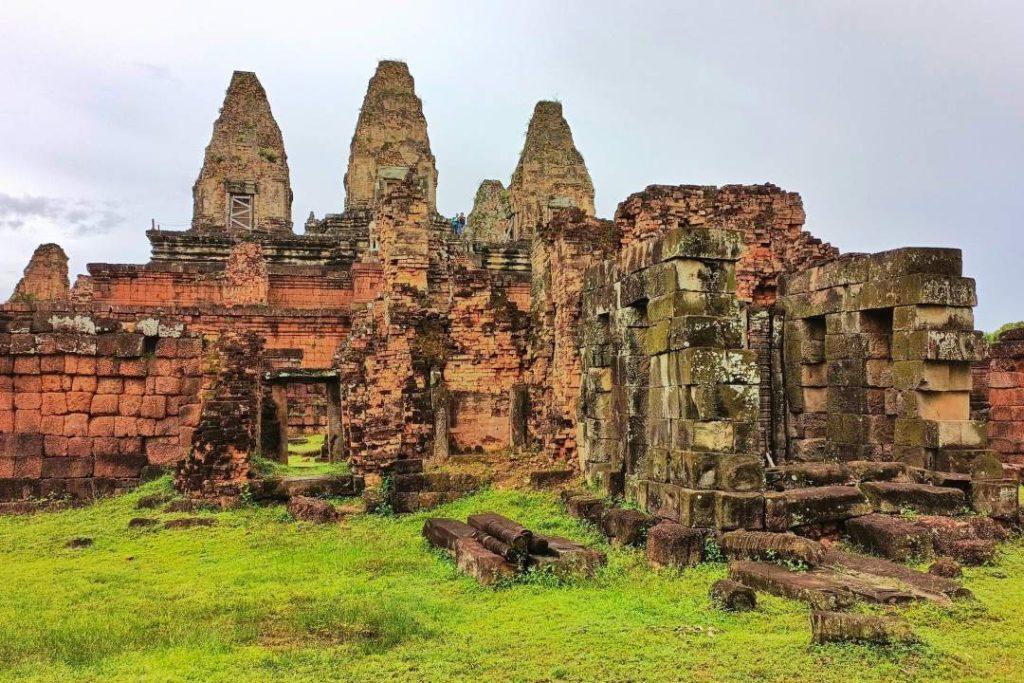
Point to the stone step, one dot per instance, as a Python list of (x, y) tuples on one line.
[(893, 497), (952, 480), (312, 486), (812, 506), (808, 474), (435, 482), (891, 537)]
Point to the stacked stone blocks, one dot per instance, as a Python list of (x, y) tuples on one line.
[(670, 398), (877, 352)]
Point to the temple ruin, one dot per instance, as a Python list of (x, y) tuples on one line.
[(699, 354)]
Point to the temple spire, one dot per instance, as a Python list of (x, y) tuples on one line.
[(244, 184), (390, 140), (551, 173)]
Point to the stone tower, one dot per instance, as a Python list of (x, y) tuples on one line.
[(551, 173), (45, 277), (390, 140), (489, 219), (244, 184)]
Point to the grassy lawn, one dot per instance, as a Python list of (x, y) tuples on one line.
[(302, 459), (261, 598)]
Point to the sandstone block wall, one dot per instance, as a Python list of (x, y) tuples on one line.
[(86, 404), (876, 358), (670, 398)]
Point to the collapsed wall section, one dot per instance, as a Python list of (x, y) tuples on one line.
[(770, 220), (669, 400), (561, 252), (430, 363), (88, 404)]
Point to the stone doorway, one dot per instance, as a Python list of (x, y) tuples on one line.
[(302, 416)]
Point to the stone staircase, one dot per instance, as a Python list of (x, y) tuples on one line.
[(413, 489)]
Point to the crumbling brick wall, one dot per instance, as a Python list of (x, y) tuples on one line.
[(430, 363), (669, 404), (307, 408), (228, 431), (385, 364), (488, 348), (770, 219), (1004, 398), (876, 359), (87, 404), (561, 252)]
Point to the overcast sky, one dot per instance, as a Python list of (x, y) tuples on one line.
[(900, 123)]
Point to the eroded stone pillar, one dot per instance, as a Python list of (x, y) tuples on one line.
[(279, 396)]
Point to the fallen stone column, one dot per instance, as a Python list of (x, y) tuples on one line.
[(733, 596), (511, 533), (834, 627), (765, 545)]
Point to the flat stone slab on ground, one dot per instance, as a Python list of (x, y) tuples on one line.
[(927, 586), (313, 486), (189, 522), (821, 591)]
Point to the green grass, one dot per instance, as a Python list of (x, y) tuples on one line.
[(302, 459), (261, 598)]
